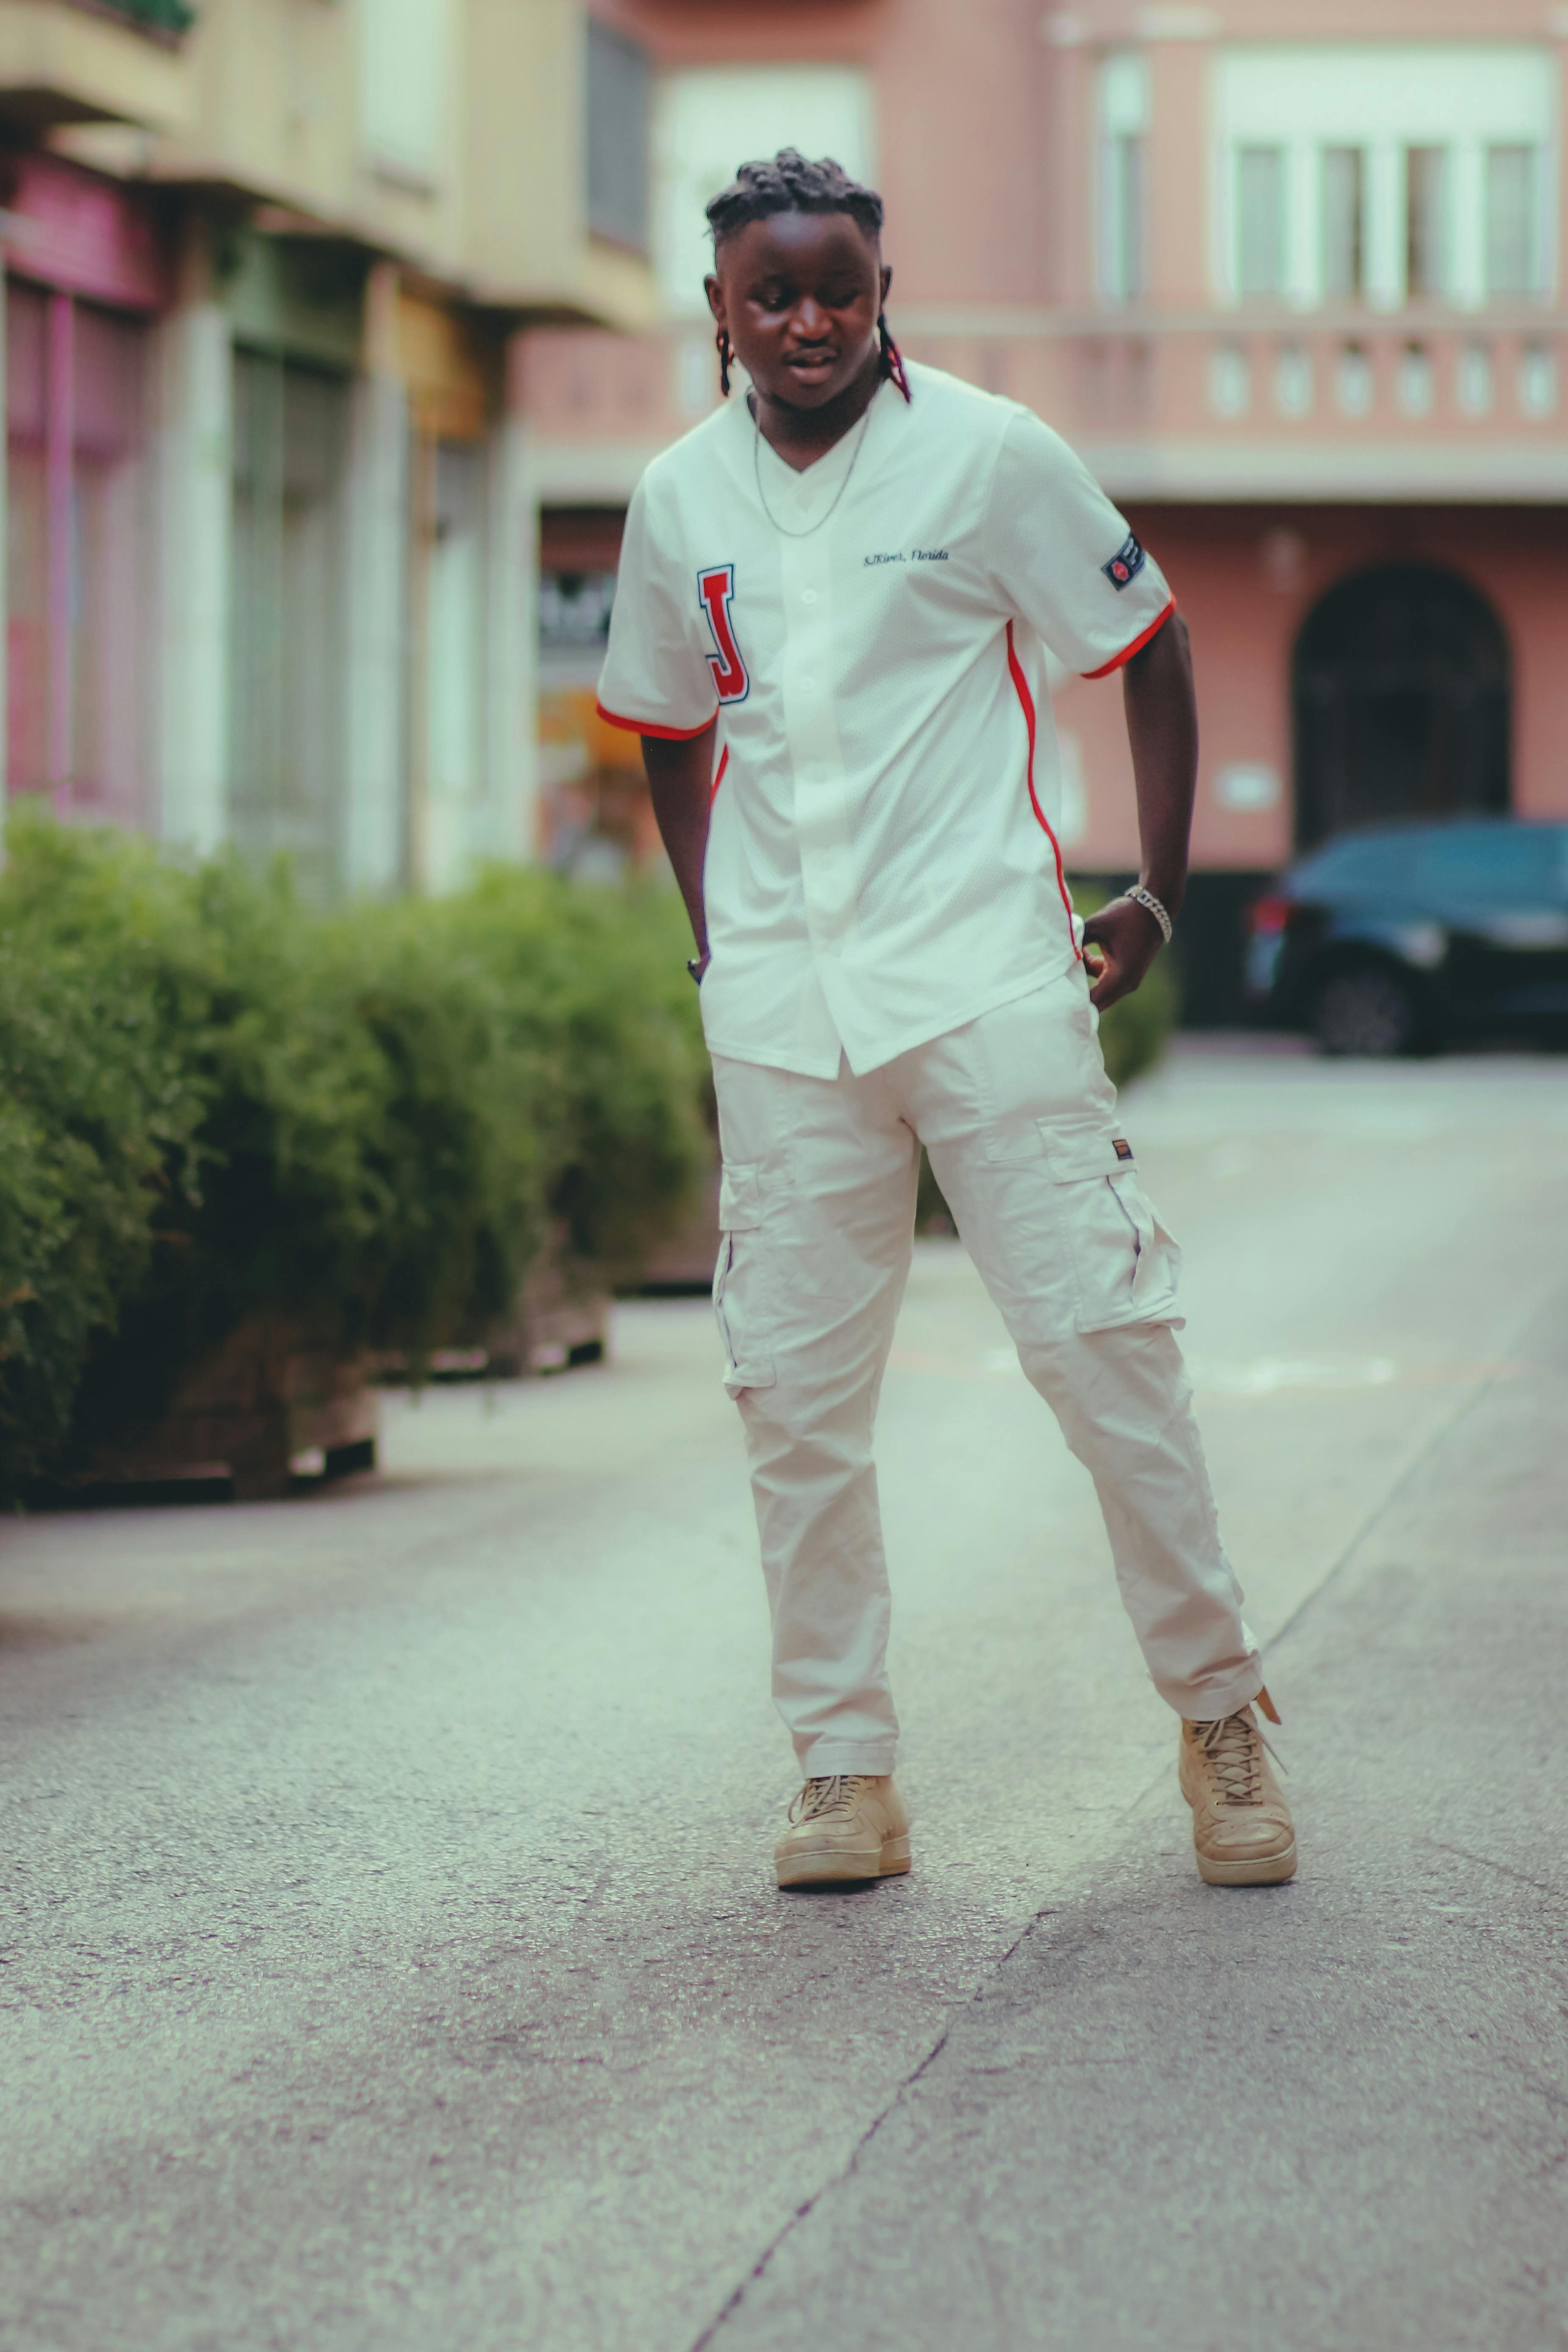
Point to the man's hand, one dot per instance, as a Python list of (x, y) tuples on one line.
[(1120, 944)]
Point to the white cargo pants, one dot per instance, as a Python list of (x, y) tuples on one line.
[(816, 1215)]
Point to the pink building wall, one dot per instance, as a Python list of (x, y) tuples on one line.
[(1247, 578)]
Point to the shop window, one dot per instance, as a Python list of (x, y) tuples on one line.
[(26, 593), (290, 442), (1260, 223), (575, 618), (595, 818), (620, 83), (712, 119), (76, 708)]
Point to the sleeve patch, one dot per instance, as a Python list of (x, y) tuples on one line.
[(1125, 564)]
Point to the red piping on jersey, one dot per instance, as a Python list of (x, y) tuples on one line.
[(647, 727), (723, 764), (1137, 646), (1027, 699)]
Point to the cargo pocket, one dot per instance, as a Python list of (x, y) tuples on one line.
[(748, 1362), (1126, 1263)]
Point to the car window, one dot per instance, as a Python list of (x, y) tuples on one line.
[(1504, 864), (1360, 864)]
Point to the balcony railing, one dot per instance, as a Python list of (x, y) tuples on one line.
[(1415, 405), (1387, 377)]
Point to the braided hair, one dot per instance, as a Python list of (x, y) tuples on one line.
[(790, 182)]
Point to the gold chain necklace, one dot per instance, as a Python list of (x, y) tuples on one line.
[(757, 459)]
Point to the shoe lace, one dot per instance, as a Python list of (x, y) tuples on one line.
[(834, 1794), (1234, 1746)]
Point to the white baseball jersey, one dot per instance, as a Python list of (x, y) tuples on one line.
[(882, 863)]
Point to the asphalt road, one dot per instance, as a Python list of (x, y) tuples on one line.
[(390, 1953)]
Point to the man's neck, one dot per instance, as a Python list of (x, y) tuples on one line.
[(800, 436)]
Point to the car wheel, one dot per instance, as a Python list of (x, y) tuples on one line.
[(1369, 1010)]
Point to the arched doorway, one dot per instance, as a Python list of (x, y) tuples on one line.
[(1401, 696)]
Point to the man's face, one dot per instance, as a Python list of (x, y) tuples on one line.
[(800, 293)]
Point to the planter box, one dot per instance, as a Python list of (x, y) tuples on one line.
[(684, 1266), (562, 1321), (257, 1411)]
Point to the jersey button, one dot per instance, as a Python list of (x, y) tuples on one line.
[(808, 596)]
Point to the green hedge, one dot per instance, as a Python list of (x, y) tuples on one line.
[(215, 1100)]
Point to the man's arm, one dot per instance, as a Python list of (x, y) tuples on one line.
[(1163, 730), (680, 783)]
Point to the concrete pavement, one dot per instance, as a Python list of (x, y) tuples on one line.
[(390, 1957)]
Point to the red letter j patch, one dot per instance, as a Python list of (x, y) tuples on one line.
[(716, 586)]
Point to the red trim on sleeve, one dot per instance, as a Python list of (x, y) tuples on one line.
[(1022, 686), (723, 764), (647, 727), (1137, 646)]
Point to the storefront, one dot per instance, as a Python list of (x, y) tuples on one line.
[(595, 814), (85, 278)]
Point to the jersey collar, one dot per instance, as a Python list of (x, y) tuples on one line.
[(799, 497)]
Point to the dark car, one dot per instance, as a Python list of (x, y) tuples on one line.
[(1408, 938)]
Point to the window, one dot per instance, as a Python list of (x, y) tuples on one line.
[(453, 489), (285, 707), (710, 119), (620, 78), (1344, 218), (1124, 123), (1511, 220), (1505, 863), (404, 52), (1260, 223), (1425, 223), (1408, 170), (1124, 218), (575, 617), (1354, 869), (76, 709)]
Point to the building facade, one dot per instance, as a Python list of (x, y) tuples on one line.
[(1287, 275), (272, 568)]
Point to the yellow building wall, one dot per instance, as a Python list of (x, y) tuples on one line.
[(266, 98)]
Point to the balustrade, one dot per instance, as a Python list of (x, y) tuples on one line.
[(1384, 377)]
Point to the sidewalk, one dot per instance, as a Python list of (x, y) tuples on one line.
[(389, 1957)]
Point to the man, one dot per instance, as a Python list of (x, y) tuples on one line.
[(834, 597)]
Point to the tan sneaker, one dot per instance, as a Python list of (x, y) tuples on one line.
[(852, 1825), (1242, 1828)]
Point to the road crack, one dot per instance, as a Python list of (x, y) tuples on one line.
[(848, 2170)]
